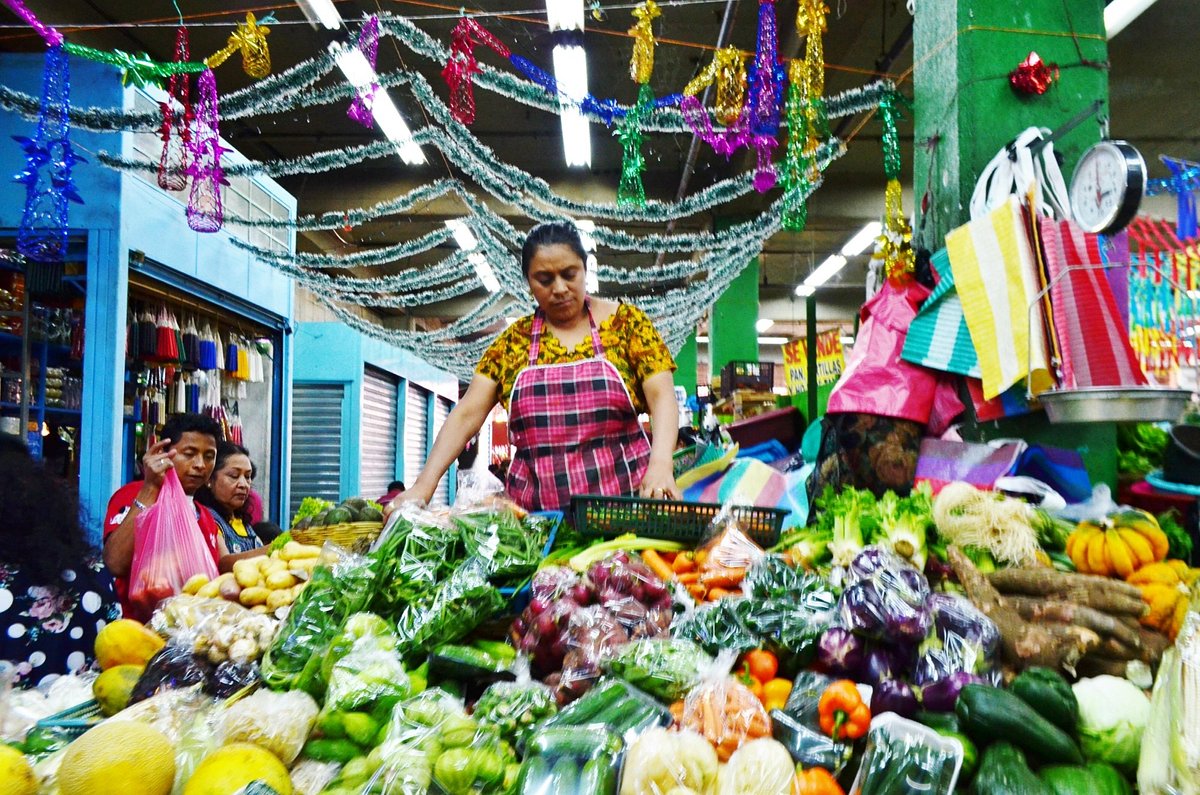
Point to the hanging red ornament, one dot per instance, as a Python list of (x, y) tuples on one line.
[(346, 225), (1033, 75), (462, 65), (176, 129)]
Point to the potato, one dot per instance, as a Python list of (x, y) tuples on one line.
[(229, 589), (195, 583), (305, 565), (254, 595), (260, 609), (246, 573), (210, 590), (263, 562), (280, 579), (274, 567), (278, 599), (294, 550)]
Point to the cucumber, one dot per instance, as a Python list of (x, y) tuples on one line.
[(1050, 696), (1069, 780), (535, 777), (564, 777), (598, 778), (341, 751), (576, 741), (938, 721), (988, 714), (1003, 771), (1108, 780), (586, 710)]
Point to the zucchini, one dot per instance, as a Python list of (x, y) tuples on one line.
[(938, 721), (1003, 771), (1050, 696), (535, 777), (575, 741), (587, 709), (988, 714), (1068, 780), (331, 750), (564, 777), (970, 760), (1108, 780), (596, 778)]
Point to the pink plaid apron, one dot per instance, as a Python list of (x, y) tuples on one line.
[(574, 428)]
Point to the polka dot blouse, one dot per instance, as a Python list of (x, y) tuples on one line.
[(49, 629)]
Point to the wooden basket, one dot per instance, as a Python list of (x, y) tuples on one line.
[(352, 535)]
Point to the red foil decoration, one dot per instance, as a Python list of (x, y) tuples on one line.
[(462, 64), (1033, 75), (177, 117)]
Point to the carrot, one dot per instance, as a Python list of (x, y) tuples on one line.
[(718, 593), (690, 578), (684, 562), (658, 565), (723, 577), (697, 592)]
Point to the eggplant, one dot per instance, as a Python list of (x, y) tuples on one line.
[(942, 695), (862, 608), (894, 695), (840, 651), (878, 666)]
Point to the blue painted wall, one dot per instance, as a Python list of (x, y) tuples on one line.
[(334, 353), (122, 214)]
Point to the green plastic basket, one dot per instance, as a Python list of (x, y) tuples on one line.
[(75, 721), (607, 517)]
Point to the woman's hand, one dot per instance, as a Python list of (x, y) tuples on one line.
[(659, 482), (416, 494)]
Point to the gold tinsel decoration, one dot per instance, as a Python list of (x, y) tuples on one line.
[(251, 38), (899, 261), (641, 64), (727, 71)]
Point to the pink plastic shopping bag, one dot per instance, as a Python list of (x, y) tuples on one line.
[(168, 549)]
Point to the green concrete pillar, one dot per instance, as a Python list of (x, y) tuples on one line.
[(732, 336), (965, 108), (966, 111), (685, 361)]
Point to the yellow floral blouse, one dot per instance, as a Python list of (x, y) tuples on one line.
[(630, 341)]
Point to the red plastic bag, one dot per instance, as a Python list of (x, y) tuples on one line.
[(168, 549)]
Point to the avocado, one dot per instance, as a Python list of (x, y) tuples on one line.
[(302, 523), (338, 516), (370, 514), (355, 503)]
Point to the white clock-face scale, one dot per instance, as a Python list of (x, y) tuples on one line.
[(1098, 187)]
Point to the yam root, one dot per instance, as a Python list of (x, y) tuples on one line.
[(1037, 610), (1097, 666), (1023, 643), (1100, 593), (1150, 649)]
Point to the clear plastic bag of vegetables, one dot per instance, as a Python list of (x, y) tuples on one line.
[(278, 722), (571, 759), (885, 598), (362, 665), (798, 725), (659, 762), (759, 767), (905, 758), (961, 639), (714, 626), (514, 544), (340, 585), (624, 585), (514, 708), (664, 667), (430, 739), (458, 605), (419, 552), (593, 635), (723, 710)]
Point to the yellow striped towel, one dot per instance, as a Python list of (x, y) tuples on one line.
[(997, 278)]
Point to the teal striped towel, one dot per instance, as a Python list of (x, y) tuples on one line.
[(938, 338)]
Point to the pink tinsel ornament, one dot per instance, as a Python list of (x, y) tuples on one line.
[(205, 212), (368, 44)]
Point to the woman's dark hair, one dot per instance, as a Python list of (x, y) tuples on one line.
[(267, 531), (554, 233), (179, 424), (42, 533), (225, 451)]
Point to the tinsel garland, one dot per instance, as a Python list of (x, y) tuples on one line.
[(899, 260), (641, 62), (728, 72), (250, 38), (177, 117), (49, 160), (360, 109), (461, 66), (138, 70), (359, 259), (49, 35), (807, 121), (725, 142), (204, 211), (766, 95), (630, 191), (888, 113)]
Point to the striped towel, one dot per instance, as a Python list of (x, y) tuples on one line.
[(996, 275), (1091, 335), (938, 338)]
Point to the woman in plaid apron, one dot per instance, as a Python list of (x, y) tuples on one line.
[(574, 376)]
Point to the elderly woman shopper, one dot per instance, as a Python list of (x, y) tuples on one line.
[(575, 376)]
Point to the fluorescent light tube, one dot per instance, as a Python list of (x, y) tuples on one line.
[(321, 12), (863, 240), (392, 124), (847, 340), (591, 280), (462, 234), (570, 74), (1119, 13), (805, 290), (763, 324), (354, 65), (826, 270), (701, 340), (486, 274), (772, 340), (564, 14)]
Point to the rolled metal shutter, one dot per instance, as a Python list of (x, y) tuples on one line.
[(377, 437), (316, 443), (416, 431), (441, 410)]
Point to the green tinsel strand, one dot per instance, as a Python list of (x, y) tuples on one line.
[(630, 191), (888, 113)]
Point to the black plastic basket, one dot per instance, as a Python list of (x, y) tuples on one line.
[(755, 376), (608, 517)]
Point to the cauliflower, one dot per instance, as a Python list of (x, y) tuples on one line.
[(662, 762)]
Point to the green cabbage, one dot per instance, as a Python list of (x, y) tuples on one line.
[(1113, 713)]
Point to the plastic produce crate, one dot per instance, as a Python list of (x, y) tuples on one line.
[(519, 597), (755, 376), (608, 517), (75, 721)]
